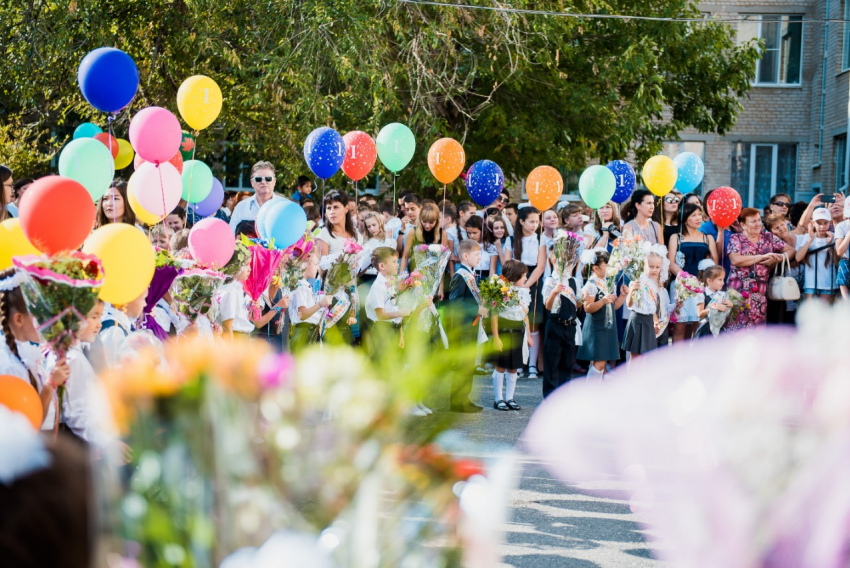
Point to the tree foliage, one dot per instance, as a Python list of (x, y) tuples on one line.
[(523, 90)]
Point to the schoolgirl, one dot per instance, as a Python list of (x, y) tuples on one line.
[(426, 231), (117, 323), (816, 253), (648, 302), (599, 332), (713, 301), (562, 331), (510, 339), (475, 230), (232, 313), (376, 236)]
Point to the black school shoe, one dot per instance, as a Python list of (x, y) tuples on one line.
[(513, 405), (501, 405)]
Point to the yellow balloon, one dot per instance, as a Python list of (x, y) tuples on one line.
[(128, 261), (125, 154), (199, 101), (142, 215), (659, 175), (13, 242)]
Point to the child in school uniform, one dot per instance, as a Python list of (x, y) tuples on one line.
[(463, 308), (599, 332), (232, 300), (648, 303), (714, 299), (562, 330), (510, 338), (306, 309), (117, 323)]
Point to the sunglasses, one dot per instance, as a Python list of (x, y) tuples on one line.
[(782, 204), (259, 179), (503, 200), (672, 200)]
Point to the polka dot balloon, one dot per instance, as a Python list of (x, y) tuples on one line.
[(360, 155), (324, 152), (723, 206)]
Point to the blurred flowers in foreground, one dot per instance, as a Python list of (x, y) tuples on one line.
[(738, 448), (234, 446)]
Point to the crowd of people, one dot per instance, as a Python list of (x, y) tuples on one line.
[(566, 325)]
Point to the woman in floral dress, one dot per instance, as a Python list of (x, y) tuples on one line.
[(752, 254)]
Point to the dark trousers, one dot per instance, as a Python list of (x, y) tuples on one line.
[(384, 339), (462, 382), (303, 334), (559, 354)]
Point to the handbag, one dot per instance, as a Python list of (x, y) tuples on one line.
[(783, 288)]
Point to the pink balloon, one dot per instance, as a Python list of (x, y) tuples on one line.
[(155, 134), (211, 242), (157, 188)]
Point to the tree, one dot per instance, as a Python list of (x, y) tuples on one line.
[(523, 90)]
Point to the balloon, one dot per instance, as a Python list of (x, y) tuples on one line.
[(197, 181), (13, 242), (125, 154), (87, 130), (659, 175), (145, 217), (187, 146), (109, 141), (211, 242), (18, 395), (723, 206), (212, 203), (128, 261), (176, 161), (446, 159), (199, 101), (484, 182), (89, 162), (396, 145), (324, 151), (155, 134), (544, 187), (597, 186), (260, 221), (690, 171), (157, 188), (285, 222), (360, 155), (625, 178), (56, 214), (108, 79)]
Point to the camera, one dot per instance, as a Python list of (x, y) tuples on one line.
[(613, 231)]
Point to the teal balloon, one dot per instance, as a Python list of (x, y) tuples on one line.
[(89, 162), (87, 130), (396, 145), (197, 181), (597, 186)]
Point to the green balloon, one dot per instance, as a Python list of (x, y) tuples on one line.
[(187, 146), (197, 181), (597, 186), (89, 162), (396, 146)]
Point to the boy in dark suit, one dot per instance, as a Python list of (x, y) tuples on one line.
[(463, 308)]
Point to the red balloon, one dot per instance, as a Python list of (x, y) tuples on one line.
[(176, 161), (360, 155), (109, 141), (57, 214), (723, 206)]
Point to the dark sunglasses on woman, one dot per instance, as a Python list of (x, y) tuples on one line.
[(267, 179), (672, 200), (782, 204)]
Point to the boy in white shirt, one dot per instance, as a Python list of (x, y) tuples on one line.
[(305, 310), (381, 308)]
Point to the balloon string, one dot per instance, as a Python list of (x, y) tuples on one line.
[(162, 192), (192, 175), (109, 120), (323, 202), (395, 213)]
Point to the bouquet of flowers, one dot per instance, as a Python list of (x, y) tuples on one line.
[(264, 263), (565, 250), (627, 256), (740, 301), (686, 286), (497, 294), (407, 290), (340, 279), (60, 291), (193, 292), (431, 262), (294, 261)]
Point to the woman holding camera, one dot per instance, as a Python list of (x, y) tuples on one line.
[(605, 228)]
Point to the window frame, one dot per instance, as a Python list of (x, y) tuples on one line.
[(845, 48), (840, 159), (758, 19), (774, 169)]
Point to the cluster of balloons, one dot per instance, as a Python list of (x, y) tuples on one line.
[(684, 172)]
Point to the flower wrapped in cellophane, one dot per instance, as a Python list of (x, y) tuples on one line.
[(193, 291), (626, 260), (498, 294), (431, 261), (294, 261), (565, 250), (264, 263), (340, 282)]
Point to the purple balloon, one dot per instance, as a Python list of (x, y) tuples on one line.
[(212, 203)]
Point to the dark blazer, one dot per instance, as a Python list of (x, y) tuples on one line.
[(462, 305)]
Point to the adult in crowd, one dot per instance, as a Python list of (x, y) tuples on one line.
[(668, 215), (263, 181), (6, 195), (113, 206), (303, 188), (639, 217), (779, 204), (339, 225), (780, 311), (228, 205), (176, 220), (752, 253), (20, 187)]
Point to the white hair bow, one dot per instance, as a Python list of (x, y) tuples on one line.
[(10, 283), (705, 263)]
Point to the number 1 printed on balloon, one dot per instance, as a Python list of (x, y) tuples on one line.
[(206, 96), (437, 159), (622, 180), (340, 149), (354, 152)]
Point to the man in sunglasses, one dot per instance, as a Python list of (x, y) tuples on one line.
[(262, 180)]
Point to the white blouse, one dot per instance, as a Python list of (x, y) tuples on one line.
[(233, 304), (303, 297), (530, 249), (335, 243)]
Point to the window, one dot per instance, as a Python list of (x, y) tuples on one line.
[(845, 54), (673, 149), (839, 158), (759, 171), (781, 60)]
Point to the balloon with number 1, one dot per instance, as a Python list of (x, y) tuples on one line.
[(626, 179), (324, 152)]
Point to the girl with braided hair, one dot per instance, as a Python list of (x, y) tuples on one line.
[(19, 356)]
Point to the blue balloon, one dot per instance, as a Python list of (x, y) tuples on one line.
[(285, 222), (324, 152), (87, 130), (691, 171), (108, 79), (625, 178), (484, 182), (211, 202)]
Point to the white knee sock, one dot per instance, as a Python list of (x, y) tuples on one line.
[(534, 349), (594, 374), (511, 380), (498, 378)]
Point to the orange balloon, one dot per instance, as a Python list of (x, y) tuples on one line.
[(544, 187), (18, 395), (109, 141), (446, 159)]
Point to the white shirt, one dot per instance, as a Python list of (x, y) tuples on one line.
[(379, 297), (530, 249), (488, 251), (334, 243), (248, 209), (112, 337), (233, 305), (452, 232), (164, 315), (303, 297), (78, 406), (649, 294), (368, 248), (14, 366), (813, 265), (841, 231), (394, 227)]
